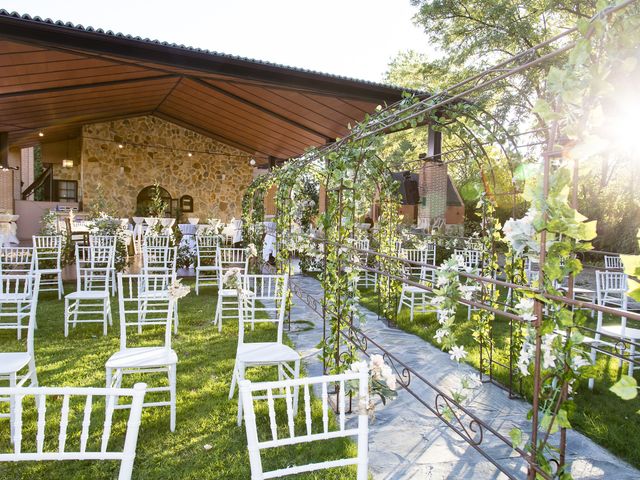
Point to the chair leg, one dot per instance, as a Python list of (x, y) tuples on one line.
[(197, 281), (60, 287), (241, 369), (172, 393), (12, 407), (218, 311), (175, 317), (233, 380), (413, 299), (66, 317), (296, 374), (105, 318)]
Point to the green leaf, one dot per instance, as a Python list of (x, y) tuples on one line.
[(626, 388), (562, 419), (516, 437)]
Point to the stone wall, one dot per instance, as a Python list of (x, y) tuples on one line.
[(124, 156)]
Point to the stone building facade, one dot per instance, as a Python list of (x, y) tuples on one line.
[(124, 156)]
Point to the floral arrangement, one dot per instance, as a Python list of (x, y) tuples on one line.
[(251, 250), (177, 290), (232, 278), (382, 381), (104, 224)]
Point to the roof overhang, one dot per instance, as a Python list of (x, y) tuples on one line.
[(58, 76)]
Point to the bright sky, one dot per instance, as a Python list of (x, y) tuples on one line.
[(356, 38)]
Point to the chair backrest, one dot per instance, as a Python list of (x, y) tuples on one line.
[(265, 295), (232, 258), (102, 240), (16, 260), (362, 244), (157, 241), (425, 256), (78, 406), (288, 434), (610, 285), (207, 249), (23, 288), (47, 250), (93, 267), (612, 262), (137, 307), (472, 258), (159, 260)]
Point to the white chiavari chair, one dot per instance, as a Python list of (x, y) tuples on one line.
[(47, 252), (16, 260), (18, 369), (157, 357), (206, 260), (16, 296), (90, 302), (271, 291), (109, 241), (411, 296), (286, 435), (611, 290), (227, 305), (156, 241), (49, 398), (613, 262)]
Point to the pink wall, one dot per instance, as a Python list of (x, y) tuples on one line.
[(30, 215)]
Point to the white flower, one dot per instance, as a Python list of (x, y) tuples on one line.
[(231, 277), (529, 317), (466, 291), (358, 367), (376, 361), (207, 447), (457, 353), (436, 301), (440, 334), (525, 304), (579, 361)]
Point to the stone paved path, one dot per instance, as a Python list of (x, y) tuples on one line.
[(407, 441)]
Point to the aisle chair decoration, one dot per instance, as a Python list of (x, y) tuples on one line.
[(156, 358)]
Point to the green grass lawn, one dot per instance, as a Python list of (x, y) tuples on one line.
[(599, 414), (205, 416)]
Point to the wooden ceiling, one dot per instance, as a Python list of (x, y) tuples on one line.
[(55, 77)]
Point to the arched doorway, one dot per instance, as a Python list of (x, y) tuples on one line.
[(145, 200)]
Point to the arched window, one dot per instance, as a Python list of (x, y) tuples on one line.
[(144, 200)]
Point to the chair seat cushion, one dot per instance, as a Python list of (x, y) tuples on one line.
[(142, 357), (88, 295), (13, 361), (268, 352)]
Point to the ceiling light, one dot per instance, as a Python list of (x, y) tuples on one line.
[(190, 154), (120, 145), (252, 162), (41, 134)]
